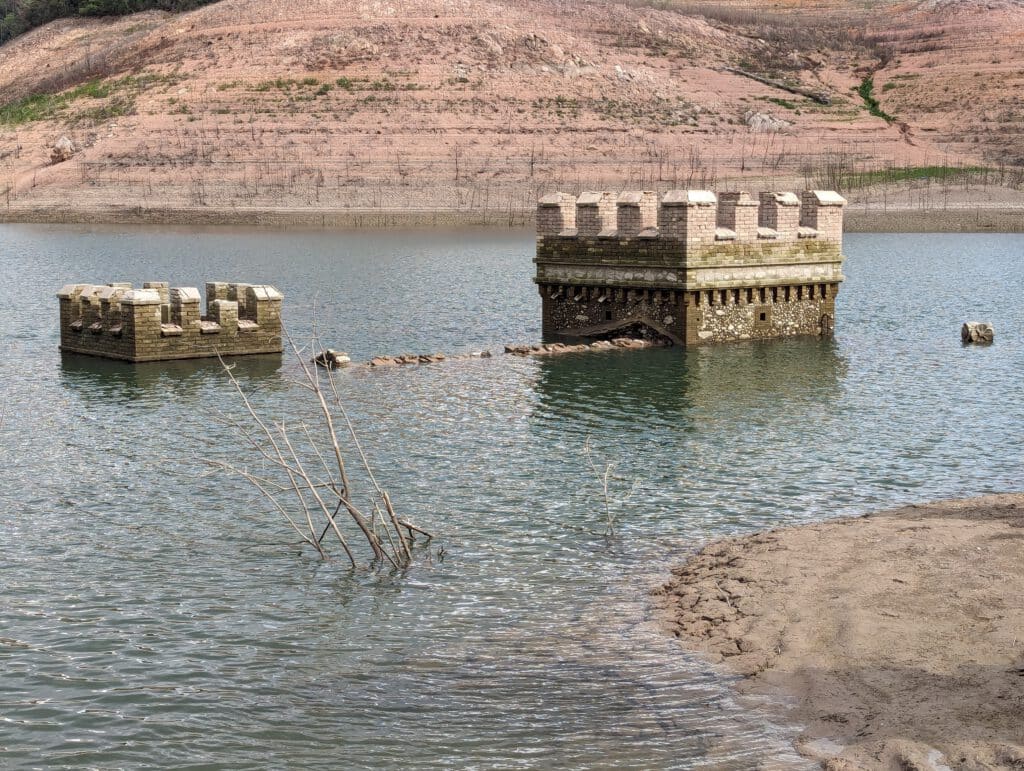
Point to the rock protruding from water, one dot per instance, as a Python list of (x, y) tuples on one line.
[(977, 332), (332, 359), (553, 349), (407, 358)]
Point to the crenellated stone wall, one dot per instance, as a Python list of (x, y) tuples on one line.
[(694, 267), (158, 322)]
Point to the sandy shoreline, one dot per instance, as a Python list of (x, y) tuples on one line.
[(954, 220), (895, 640)]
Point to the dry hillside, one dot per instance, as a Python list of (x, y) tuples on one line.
[(478, 105)]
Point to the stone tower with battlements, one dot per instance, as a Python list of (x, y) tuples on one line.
[(157, 322), (692, 267)]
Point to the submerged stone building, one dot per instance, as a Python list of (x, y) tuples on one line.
[(691, 266), (157, 322)]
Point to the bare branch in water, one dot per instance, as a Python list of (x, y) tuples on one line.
[(303, 471)]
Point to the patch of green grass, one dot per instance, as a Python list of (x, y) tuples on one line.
[(38, 107), (45, 106), (782, 102), (906, 173), (866, 91), (852, 179), (116, 108), (889, 86)]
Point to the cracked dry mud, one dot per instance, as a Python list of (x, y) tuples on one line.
[(894, 640)]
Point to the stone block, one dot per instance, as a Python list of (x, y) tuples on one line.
[(556, 213), (595, 211)]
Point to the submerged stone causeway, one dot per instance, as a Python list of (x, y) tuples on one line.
[(157, 322), (692, 267)]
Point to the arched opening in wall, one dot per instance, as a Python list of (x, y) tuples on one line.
[(638, 330)]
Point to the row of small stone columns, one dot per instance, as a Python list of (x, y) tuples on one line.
[(696, 216)]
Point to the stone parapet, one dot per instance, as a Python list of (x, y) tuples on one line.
[(158, 322), (694, 218)]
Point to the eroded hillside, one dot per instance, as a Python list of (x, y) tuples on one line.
[(480, 105)]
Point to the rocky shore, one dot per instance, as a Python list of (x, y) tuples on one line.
[(896, 640)]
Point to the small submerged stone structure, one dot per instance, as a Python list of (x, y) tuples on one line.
[(158, 322), (977, 332), (691, 266)]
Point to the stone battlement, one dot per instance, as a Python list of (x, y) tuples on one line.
[(695, 218), (158, 322), (608, 263)]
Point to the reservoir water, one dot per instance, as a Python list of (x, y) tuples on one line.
[(153, 614)]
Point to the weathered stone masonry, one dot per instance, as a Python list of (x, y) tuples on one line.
[(693, 267), (157, 322)]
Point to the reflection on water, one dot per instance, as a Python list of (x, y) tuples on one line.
[(153, 614), (675, 385), (103, 380)]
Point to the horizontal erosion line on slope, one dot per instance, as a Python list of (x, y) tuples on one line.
[(682, 162)]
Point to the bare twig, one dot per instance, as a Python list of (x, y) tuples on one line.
[(305, 464), (605, 478)]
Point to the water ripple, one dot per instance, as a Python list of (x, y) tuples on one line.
[(153, 615)]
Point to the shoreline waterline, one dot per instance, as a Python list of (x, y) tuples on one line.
[(857, 219)]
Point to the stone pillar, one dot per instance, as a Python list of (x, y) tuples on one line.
[(70, 310), (90, 308), (237, 293), (264, 302), (739, 213), (225, 313), (215, 290), (781, 213), (823, 211), (110, 304), (595, 213), (636, 211), (689, 216), (140, 318), (556, 213), (185, 308), (162, 287)]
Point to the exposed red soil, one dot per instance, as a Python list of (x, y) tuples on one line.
[(478, 105)]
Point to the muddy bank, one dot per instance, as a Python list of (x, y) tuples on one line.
[(965, 220), (960, 220), (896, 640), (333, 219)]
